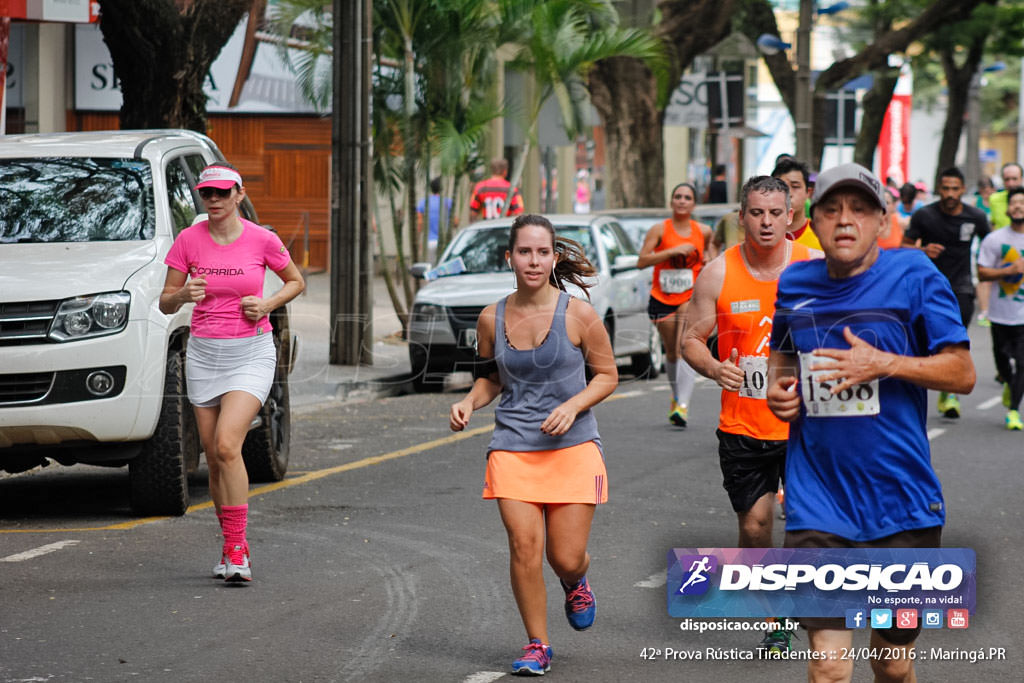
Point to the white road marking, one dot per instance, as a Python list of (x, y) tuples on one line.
[(653, 581), (484, 677), (994, 401), (36, 552), (661, 387), (935, 433)]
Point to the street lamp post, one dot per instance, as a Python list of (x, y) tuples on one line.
[(803, 119)]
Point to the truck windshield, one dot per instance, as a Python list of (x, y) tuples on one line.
[(483, 251), (75, 200)]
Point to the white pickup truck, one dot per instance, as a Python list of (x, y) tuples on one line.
[(90, 370)]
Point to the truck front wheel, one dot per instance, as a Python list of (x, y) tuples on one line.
[(158, 475)]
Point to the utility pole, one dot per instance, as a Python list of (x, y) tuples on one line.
[(351, 187), (803, 122)]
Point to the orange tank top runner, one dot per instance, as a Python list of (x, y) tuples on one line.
[(674, 278), (745, 309)]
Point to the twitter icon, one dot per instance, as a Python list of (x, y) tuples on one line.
[(881, 618)]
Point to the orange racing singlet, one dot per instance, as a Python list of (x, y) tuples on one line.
[(674, 278), (745, 308)]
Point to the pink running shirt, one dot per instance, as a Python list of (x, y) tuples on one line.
[(232, 271)]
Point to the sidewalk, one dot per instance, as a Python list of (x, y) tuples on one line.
[(314, 380)]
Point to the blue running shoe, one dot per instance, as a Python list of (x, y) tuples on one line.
[(580, 609), (535, 660)]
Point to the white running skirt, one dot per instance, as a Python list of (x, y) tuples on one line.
[(214, 367)]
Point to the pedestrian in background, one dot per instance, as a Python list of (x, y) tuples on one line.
[(431, 206), (1013, 176), (489, 195), (797, 175), (986, 188), (858, 460), (1001, 263), (544, 464), (676, 249), (909, 203), (944, 231), (718, 190), (892, 234), (581, 202), (219, 265)]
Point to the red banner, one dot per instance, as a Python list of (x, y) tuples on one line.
[(894, 143), (77, 11)]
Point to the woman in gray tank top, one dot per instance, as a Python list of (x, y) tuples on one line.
[(544, 466)]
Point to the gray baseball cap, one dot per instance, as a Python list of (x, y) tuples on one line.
[(849, 175)]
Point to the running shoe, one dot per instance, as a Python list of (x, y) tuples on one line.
[(1013, 422), (535, 660), (238, 567), (780, 498), (678, 416), (220, 569), (952, 407), (943, 396), (580, 609), (1006, 395), (778, 641)]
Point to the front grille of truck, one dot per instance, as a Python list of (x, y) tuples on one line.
[(26, 322), (25, 387), (464, 316)]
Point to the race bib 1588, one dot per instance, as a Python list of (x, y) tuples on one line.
[(819, 401)]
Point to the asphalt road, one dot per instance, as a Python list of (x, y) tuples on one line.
[(376, 560)]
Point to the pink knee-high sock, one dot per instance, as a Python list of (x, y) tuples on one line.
[(233, 521)]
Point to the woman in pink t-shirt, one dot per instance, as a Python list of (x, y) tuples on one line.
[(219, 264)]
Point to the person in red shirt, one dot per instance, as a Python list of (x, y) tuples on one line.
[(488, 198)]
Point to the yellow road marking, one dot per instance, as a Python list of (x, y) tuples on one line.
[(295, 481)]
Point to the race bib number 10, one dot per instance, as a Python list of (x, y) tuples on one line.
[(819, 401), (755, 374)]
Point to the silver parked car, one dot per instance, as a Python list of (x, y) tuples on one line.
[(442, 330)]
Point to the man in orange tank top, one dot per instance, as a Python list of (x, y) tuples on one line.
[(736, 292)]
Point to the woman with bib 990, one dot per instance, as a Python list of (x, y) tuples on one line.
[(544, 463), (675, 248), (219, 264)]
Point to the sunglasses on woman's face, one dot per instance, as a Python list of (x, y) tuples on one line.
[(211, 192)]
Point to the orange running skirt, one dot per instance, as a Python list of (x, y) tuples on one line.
[(564, 475)]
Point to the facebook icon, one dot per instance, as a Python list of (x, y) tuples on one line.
[(856, 618)]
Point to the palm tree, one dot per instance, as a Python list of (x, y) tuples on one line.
[(558, 42)]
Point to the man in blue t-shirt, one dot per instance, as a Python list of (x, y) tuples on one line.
[(432, 207), (857, 340)]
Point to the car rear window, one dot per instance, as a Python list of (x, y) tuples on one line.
[(75, 200)]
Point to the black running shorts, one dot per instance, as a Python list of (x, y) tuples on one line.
[(750, 467), (930, 537), (658, 310)]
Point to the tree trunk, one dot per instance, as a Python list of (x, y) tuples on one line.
[(870, 57), (958, 84), (162, 51), (873, 106), (623, 91), (625, 94)]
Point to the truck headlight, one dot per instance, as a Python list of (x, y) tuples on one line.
[(428, 313), (84, 317)]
